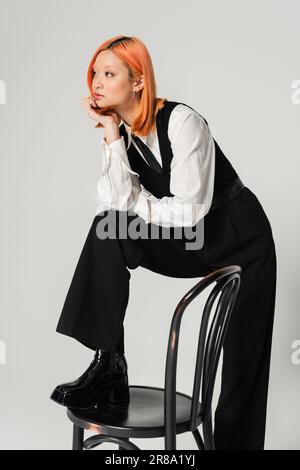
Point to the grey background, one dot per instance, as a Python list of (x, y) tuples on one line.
[(235, 63)]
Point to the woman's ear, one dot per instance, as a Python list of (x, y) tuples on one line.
[(140, 83)]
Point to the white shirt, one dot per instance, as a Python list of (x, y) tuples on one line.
[(192, 173)]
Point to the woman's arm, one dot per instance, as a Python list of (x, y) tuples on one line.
[(118, 185)]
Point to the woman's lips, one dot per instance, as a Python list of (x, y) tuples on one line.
[(99, 96)]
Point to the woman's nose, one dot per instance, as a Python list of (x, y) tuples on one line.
[(98, 81)]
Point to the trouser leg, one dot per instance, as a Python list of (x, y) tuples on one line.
[(241, 412), (96, 302), (120, 345)]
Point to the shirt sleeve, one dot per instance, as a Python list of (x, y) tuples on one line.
[(118, 185), (191, 178)]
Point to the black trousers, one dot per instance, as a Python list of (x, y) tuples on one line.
[(238, 233)]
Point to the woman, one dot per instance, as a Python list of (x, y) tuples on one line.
[(164, 171)]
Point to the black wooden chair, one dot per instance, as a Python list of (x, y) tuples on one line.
[(157, 412)]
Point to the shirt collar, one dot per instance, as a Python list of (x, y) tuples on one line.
[(145, 138)]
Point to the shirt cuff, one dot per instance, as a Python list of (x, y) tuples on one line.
[(117, 150)]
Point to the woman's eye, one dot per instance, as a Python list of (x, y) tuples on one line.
[(95, 73)]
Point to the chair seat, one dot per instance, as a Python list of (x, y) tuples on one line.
[(145, 416)]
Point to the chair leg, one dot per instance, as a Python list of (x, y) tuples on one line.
[(198, 439), (208, 434), (77, 438), (124, 439)]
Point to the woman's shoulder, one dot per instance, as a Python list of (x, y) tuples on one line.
[(180, 111)]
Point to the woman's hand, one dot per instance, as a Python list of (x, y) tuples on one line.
[(111, 120)]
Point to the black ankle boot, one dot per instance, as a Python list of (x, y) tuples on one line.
[(105, 382), (76, 383)]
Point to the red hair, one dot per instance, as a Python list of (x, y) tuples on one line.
[(133, 52)]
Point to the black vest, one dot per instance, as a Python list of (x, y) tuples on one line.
[(159, 184)]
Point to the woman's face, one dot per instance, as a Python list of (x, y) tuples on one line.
[(111, 80)]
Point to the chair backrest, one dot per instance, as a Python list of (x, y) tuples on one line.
[(209, 346)]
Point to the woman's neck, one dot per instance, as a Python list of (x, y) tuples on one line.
[(128, 115)]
